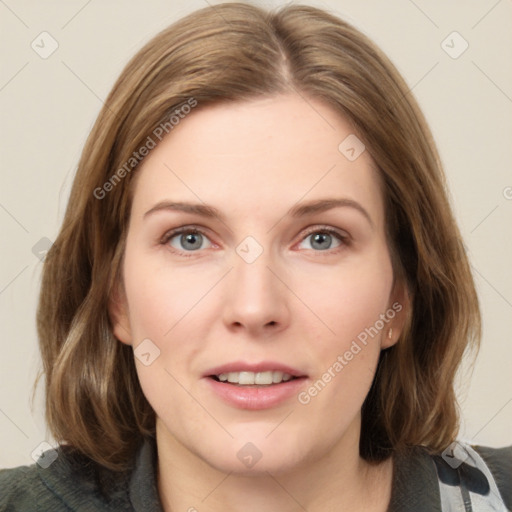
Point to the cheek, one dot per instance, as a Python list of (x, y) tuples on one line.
[(158, 297), (347, 359), (350, 301)]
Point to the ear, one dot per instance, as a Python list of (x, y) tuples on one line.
[(119, 317), (398, 312)]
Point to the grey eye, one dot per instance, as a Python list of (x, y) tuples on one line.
[(188, 241), (322, 241)]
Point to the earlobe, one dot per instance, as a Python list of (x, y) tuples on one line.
[(389, 339), (119, 319), (400, 308)]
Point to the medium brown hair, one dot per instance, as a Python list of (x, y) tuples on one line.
[(234, 52)]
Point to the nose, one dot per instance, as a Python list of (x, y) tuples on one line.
[(255, 298)]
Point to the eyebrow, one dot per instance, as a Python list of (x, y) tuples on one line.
[(297, 211)]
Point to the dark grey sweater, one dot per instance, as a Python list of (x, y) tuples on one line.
[(74, 483)]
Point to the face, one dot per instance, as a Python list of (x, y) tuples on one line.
[(256, 253)]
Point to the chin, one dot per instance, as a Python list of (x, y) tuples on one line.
[(255, 457), (275, 464)]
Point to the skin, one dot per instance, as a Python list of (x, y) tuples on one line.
[(295, 304)]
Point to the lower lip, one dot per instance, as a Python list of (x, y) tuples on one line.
[(256, 398)]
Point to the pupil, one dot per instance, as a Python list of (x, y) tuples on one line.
[(191, 238), (320, 238)]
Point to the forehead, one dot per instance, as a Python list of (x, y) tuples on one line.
[(263, 156)]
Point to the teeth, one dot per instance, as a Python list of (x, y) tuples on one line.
[(245, 378), (251, 378), (277, 377)]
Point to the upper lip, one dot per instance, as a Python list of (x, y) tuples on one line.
[(263, 366)]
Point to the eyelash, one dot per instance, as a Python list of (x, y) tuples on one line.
[(343, 239)]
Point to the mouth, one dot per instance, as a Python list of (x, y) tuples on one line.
[(255, 386), (254, 379), (265, 373)]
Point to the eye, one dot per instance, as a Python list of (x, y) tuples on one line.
[(192, 239), (187, 239), (324, 239)]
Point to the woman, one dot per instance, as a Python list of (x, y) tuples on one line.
[(300, 353)]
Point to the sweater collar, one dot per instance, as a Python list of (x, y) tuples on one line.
[(415, 483), (143, 487)]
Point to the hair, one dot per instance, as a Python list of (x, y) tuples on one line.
[(236, 52)]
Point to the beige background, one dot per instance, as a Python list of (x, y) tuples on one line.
[(49, 105)]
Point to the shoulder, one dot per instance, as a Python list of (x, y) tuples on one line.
[(68, 483), (424, 480), (475, 474), (499, 462), (22, 489), (498, 458)]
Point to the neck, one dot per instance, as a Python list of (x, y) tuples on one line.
[(338, 480)]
